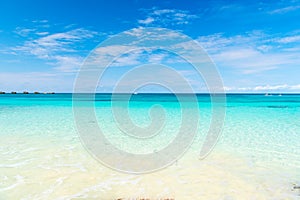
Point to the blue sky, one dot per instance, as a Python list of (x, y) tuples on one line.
[(254, 44)]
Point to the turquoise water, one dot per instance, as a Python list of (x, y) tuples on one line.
[(258, 152)]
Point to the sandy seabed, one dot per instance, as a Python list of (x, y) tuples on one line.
[(32, 169)]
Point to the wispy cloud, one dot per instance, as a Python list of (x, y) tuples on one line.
[(265, 88), (285, 9), (67, 63), (251, 53), (42, 33), (289, 39), (156, 16), (146, 21), (58, 48), (24, 32), (33, 28), (42, 21), (118, 56)]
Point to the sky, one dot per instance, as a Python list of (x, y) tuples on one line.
[(255, 45)]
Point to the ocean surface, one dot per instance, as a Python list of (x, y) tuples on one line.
[(257, 156)]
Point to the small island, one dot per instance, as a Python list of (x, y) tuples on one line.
[(26, 92)]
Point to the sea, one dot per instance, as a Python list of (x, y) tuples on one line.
[(255, 156)]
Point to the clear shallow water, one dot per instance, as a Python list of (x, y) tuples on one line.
[(257, 156)]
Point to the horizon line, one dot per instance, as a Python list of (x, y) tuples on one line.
[(43, 93)]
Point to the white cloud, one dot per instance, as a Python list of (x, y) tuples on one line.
[(121, 55), (265, 88), (157, 58), (269, 87), (24, 32), (42, 33), (163, 11), (40, 21), (68, 63), (251, 53), (289, 39), (285, 9), (146, 21), (37, 27), (295, 87), (127, 59), (47, 45), (167, 17), (58, 48), (135, 51)]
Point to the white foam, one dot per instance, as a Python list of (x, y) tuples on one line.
[(19, 180)]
